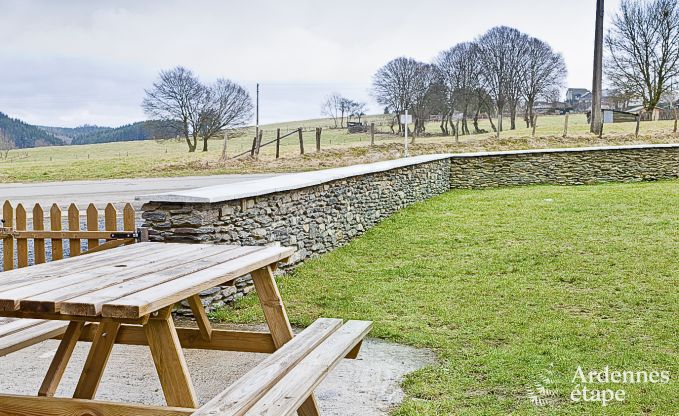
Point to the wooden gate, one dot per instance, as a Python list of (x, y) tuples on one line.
[(15, 233)]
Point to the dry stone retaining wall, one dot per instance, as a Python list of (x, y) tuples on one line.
[(319, 211)]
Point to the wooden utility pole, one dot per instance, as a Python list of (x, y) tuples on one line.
[(597, 122)]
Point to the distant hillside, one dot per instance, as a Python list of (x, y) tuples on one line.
[(25, 135), (68, 134), (143, 130)]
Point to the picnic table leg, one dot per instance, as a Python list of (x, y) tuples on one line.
[(279, 324), (169, 359), (97, 359), (61, 358)]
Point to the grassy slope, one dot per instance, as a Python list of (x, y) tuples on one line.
[(170, 158), (502, 283)]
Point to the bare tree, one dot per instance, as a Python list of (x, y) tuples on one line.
[(459, 71), (358, 110), (177, 98), (643, 48), (501, 53), (394, 84), (6, 144), (545, 72), (331, 107), (225, 105)]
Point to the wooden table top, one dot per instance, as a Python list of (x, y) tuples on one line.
[(131, 281)]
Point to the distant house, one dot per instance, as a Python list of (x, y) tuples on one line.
[(573, 95)]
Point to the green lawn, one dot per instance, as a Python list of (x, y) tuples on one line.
[(510, 285)]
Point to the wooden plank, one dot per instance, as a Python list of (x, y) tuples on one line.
[(61, 359), (64, 317), (143, 302), (29, 234), (7, 242), (38, 333), (39, 243), (91, 303), (79, 281), (12, 405), (290, 392), (129, 222), (242, 394), (200, 315), (58, 269), (55, 223), (74, 225), (22, 245), (169, 360), (92, 225), (9, 326), (278, 322), (96, 360), (110, 218), (48, 296), (191, 338)]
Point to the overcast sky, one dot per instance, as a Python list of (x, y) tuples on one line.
[(68, 63)]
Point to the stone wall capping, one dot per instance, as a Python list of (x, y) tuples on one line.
[(282, 183), (564, 150)]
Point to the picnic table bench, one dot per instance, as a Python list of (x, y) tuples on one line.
[(126, 296)]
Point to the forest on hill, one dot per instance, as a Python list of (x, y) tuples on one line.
[(22, 135)]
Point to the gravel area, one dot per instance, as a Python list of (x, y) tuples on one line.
[(367, 386)]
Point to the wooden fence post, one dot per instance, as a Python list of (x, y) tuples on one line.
[(73, 225), (535, 123), (565, 127), (372, 134), (278, 143), (92, 225), (39, 225), (8, 242), (636, 132), (22, 244), (254, 144), (676, 120), (301, 141), (318, 139), (55, 223), (457, 131)]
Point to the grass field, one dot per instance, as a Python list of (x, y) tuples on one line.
[(509, 286), (170, 157)]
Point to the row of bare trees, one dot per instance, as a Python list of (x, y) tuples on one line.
[(499, 73), (339, 108), (197, 110)]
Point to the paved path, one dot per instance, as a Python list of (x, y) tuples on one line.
[(116, 191)]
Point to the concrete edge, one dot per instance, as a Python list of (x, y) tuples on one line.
[(292, 181)]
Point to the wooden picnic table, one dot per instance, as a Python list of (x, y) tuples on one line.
[(125, 296)]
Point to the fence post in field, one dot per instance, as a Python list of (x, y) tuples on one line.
[(226, 139), (39, 225), (55, 223), (676, 120), (254, 144), (318, 139), (565, 127), (74, 225), (457, 131), (535, 123), (22, 244), (8, 242), (372, 134), (278, 143), (636, 132), (301, 141)]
